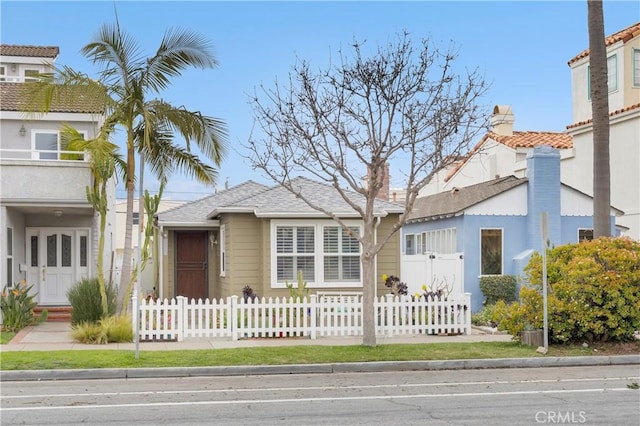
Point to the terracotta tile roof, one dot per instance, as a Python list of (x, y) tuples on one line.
[(12, 95), (624, 36), (29, 51), (611, 114), (519, 140), (531, 139)]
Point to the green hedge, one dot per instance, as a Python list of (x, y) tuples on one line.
[(593, 293), (498, 287)]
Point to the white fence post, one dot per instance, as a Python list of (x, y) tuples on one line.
[(232, 314), (467, 313), (181, 316), (314, 315), (388, 315)]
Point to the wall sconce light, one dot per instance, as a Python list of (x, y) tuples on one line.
[(57, 213), (23, 131), (13, 67)]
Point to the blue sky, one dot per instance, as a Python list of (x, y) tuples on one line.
[(521, 48)]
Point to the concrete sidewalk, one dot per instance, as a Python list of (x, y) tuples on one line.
[(52, 336)]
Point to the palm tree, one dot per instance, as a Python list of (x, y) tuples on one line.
[(127, 88), (600, 118)]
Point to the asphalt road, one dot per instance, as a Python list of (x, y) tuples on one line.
[(602, 395)]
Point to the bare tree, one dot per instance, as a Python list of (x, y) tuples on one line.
[(600, 118), (401, 104)]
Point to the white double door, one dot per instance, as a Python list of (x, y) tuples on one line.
[(57, 258)]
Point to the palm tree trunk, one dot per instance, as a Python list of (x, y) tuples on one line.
[(125, 277), (600, 118)]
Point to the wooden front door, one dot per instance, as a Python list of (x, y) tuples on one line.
[(191, 264)]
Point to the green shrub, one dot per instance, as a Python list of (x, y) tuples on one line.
[(89, 332), (114, 329), (498, 287), (484, 317), (593, 293), (118, 328), (17, 307), (85, 300)]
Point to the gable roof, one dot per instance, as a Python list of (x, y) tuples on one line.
[(623, 35), (275, 201), (13, 94), (29, 51), (198, 211), (518, 140), (455, 202), (278, 201)]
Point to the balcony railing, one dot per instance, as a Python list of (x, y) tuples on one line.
[(16, 79), (42, 154)]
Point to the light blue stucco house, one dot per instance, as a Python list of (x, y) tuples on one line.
[(453, 238)]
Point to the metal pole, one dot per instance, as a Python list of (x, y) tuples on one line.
[(544, 224), (139, 252)]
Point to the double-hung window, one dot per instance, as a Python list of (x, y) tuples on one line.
[(341, 250), (295, 251), (327, 254)]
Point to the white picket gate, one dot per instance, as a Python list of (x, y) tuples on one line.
[(324, 315)]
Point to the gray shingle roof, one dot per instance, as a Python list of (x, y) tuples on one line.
[(29, 51), (275, 201), (454, 202), (279, 201), (198, 211)]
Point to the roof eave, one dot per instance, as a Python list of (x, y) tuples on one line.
[(196, 224)]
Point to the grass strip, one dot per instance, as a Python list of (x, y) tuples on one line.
[(70, 359)]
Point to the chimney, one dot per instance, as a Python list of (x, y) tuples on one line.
[(543, 194), (383, 174), (502, 120)]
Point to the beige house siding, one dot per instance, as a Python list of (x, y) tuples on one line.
[(243, 248), (389, 256)]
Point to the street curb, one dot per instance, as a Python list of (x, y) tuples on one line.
[(352, 367)]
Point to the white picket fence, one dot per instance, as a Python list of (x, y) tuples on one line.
[(317, 316)]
